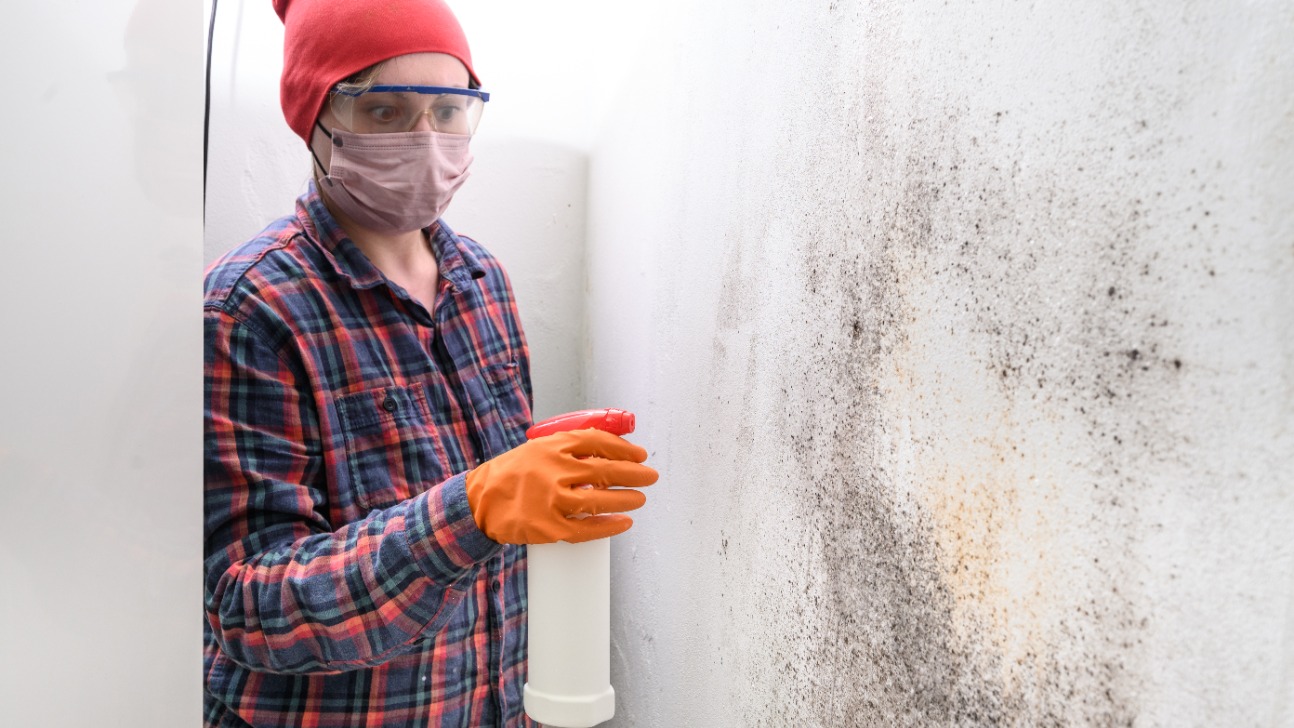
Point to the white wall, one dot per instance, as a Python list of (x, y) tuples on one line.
[(100, 474), (961, 334)]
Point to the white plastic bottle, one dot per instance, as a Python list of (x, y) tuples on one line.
[(568, 679)]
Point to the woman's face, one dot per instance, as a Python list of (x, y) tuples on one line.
[(415, 69)]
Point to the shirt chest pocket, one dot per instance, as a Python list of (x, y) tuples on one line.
[(509, 406), (393, 451)]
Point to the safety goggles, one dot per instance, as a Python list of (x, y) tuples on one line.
[(387, 109)]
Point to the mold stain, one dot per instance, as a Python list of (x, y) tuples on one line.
[(931, 452), (954, 577)]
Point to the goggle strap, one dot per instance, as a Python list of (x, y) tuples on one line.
[(312, 147), (483, 96)]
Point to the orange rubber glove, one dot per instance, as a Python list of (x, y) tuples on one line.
[(526, 494)]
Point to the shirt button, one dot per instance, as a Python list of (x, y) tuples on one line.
[(389, 404)]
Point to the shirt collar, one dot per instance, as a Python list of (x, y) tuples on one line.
[(457, 263)]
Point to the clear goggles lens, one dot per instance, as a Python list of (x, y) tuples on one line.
[(387, 109)]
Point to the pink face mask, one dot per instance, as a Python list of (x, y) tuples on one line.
[(396, 183)]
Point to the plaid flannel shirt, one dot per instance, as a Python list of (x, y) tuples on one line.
[(346, 582)]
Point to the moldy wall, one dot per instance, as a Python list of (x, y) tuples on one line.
[(961, 335)]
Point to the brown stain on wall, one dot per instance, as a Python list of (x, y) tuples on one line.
[(1001, 560)]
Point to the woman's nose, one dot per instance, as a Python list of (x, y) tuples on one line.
[(423, 122)]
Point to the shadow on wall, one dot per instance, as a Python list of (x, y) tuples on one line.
[(161, 125)]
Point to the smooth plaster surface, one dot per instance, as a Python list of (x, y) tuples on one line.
[(961, 335), (100, 454)]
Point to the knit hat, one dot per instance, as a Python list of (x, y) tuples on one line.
[(327, 41)]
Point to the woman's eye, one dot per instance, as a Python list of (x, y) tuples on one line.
[(383, 114)]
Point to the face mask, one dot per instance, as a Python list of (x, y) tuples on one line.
[(395, 183)]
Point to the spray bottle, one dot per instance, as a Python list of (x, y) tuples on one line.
[(568, 682)]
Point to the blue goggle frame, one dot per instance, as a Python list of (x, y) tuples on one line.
[(430, 90)]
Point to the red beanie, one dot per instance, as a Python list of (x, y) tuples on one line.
[(327, 41)]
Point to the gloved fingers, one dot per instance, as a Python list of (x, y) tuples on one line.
[(598, 444), (595, 527), (597, 471), (596, 501)]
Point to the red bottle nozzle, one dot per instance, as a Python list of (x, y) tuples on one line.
[(615, 421)]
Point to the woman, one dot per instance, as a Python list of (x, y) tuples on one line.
[(368, 487)]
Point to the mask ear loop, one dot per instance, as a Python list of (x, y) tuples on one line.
[(312, 147)]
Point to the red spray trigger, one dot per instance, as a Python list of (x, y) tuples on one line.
[(615, 421)]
